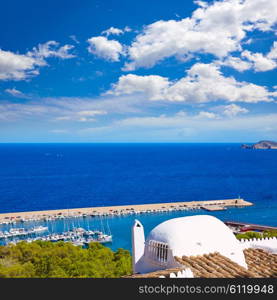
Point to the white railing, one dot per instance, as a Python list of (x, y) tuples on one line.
[(186, 273), (258, 239), (268, 244), (157, 251)]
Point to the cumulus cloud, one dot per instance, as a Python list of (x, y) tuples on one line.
[(273, 51), (51, 49), (235, 63), (153, 85), (116, 31), (15, 66), (203, 83), (261, 63), (207, 115), (112, 31), (249, 60), (217, 28), (232, 110), (258, 61), (104, 48)]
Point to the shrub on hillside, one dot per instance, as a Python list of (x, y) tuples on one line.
[(46, 259)]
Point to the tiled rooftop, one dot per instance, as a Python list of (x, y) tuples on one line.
[(260, 264)]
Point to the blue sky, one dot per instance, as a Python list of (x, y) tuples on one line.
[(147, 71)]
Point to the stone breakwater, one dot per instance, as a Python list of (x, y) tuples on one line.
[(6, 218)]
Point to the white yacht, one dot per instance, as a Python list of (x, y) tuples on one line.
[(40, 229)]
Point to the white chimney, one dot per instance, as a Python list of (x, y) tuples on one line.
[(138, 240)]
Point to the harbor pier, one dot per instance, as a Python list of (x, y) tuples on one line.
[(209, 205), (242, 226)]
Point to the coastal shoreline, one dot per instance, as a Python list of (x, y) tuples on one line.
[(209, 205)]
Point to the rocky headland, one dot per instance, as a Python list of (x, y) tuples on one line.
[(261, 145)]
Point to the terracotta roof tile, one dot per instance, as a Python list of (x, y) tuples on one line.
[(214, 265)]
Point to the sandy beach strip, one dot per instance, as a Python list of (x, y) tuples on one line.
[(114, 210)]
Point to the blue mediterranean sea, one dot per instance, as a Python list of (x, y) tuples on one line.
[(56, 176)]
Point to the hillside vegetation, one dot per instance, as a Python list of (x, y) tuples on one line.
[(45, 259), (257, 235)]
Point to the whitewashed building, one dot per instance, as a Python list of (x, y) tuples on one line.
[(187, 237)]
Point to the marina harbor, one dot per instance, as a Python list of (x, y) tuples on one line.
[(77, 236), (85, 225), (7, 218)]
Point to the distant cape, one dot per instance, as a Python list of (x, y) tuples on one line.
[(261, 145)]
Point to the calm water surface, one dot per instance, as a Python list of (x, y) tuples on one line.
[(53, 176)]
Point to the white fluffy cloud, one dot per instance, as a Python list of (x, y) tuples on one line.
[(235, 63), (203, 83), (51, 49), (206, 115), (233, 110), (249, 60), (15, 66), (116, 31), (217, 28), (112, 31), (273, 51), (153, 85), (107, 49), (261, 63)]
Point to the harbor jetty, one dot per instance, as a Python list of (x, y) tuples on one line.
[(210, 205), (242, 226)]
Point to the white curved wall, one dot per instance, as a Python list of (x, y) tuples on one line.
[(198, 235)]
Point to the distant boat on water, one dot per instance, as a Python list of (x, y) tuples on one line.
[(38, 229)]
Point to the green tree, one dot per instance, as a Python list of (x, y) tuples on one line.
[(249, 235), (45, 259)]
